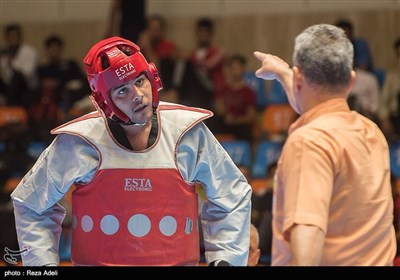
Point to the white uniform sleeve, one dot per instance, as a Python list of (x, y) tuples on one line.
[(226, 214), (38, 216)]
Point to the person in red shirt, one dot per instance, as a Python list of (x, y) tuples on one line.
[(207, 59), (236, 102), (163, 52), (153, 41)]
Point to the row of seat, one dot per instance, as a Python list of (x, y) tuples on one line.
[(275, 118), (257, 159), (265, 153), (394, 152), (13, 115)]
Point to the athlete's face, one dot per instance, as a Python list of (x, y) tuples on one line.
[(134, 99)]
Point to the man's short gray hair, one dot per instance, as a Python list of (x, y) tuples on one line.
[(325, 55)]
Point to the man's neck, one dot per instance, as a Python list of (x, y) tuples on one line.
[(125, 135), (313, 96)]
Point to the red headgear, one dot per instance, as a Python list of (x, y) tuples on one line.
[(126, 62)]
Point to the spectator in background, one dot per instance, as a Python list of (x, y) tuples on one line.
[(262, 206), (235, 108), (14, 89), (61, 79), (163, 52), (126, 19), (254, 250), (153, 40), (389, 110), (24, 58), (364, 96), (362, 54), (258, 86), (207, 62), (333, 203)]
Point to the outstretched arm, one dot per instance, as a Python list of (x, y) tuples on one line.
[(273, 67)]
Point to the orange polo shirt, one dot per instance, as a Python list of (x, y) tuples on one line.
[(334, 173)]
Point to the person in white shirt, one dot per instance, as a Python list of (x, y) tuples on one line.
[(24, 56)]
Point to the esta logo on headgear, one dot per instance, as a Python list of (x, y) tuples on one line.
[(125, 70)]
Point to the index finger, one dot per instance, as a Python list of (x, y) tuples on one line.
[(260, 55)]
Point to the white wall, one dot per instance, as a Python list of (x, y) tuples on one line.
[(52, 10), (70, 10), (257, 7)]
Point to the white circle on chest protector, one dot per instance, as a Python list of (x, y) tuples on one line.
[(87, 223), (109, 224), (139, 225), (168, 225)]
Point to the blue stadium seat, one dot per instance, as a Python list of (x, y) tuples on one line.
[(3, 146), (258, 86), (266, 153), (239, 151), (380, 75), (394, 149), (65, 245), (35, 148), (277, 95)]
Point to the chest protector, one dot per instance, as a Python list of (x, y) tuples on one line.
[(137, 210)]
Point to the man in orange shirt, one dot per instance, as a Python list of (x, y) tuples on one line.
[(333, 203)]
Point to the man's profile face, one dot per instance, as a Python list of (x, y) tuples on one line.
[(134, 99)]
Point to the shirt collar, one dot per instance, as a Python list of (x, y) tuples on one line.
[(332, 105)]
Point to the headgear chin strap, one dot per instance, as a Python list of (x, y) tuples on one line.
[(126, 62)]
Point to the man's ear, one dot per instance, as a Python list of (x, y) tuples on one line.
[(297, 78), (351, 81)]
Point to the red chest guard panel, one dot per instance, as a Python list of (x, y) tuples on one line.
[(135, 217)]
